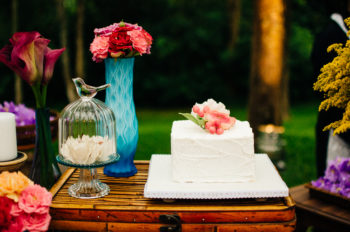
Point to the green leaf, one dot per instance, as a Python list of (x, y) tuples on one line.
[(197, 120)]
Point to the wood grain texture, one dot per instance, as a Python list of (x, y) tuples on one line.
[(126, 206), (319, 213)]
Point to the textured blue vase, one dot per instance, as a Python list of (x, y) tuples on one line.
[(119, 97)]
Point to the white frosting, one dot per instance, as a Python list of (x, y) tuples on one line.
[(198, 156)]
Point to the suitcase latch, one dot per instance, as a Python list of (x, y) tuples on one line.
[(173, 221)]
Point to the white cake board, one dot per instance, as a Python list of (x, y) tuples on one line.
[(160, 185)]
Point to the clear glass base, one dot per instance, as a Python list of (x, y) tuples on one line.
[(88, 185)]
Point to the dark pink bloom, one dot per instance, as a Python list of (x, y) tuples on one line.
[(50, 58), (5, 209), (16, 225), (35, 199), (36, 222), (29, 56)]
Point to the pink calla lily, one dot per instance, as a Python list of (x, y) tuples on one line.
[(51, 57), (29, 56)]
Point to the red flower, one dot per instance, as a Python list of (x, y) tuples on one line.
[(5, 209), (120, 41)]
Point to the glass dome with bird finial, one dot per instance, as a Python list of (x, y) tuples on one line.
[(87, 140), (87, 128)]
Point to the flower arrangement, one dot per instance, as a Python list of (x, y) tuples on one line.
[(29, 56), (336, 178), (87, 150), (23, 205), (211, 116), (334, 83), (120, 40)]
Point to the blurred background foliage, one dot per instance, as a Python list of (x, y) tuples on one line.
[(190, 58)]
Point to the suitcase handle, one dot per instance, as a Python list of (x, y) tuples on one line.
[(173, 220)]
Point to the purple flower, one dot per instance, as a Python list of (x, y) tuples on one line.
[(322, 183), (332, 173), (336, 188), (344, 165), (344, 179), (23, 115), (336, 178), (345, 192)]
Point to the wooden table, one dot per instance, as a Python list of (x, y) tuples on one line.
[(318, 213), (125, 209)]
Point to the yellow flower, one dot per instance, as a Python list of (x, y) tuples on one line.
[(12, 184), (334, 82)]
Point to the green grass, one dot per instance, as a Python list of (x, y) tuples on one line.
[(155, 127)]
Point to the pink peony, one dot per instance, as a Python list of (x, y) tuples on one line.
[(35, 199), (36, 222), (141, 41), (99, 48)]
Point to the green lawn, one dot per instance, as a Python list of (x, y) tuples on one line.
[(155, 127)]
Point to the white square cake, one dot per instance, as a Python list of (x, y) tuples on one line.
[(198, 156)]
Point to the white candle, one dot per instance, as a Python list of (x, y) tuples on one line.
[(8, 140)]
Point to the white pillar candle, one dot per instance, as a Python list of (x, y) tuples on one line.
[(8, 140)]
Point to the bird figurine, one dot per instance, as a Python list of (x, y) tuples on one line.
[(85, 90)]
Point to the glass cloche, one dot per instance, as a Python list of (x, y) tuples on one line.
[(87, 139)]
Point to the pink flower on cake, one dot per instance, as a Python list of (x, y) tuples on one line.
[(212, 116), (99, 48), (217, 122), (35, 199), (213, 105)]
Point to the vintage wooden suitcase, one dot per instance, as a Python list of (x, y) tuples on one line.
[(125, 209)]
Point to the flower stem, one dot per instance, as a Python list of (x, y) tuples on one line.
[(38, 97), (43, 95)]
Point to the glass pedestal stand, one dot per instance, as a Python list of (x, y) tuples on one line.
[(88, 185)]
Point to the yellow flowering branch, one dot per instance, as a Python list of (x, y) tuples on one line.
[(334, 82)]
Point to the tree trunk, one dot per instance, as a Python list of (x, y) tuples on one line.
[(234, 8), (18, 80), (79, 60), (67, 76), (265, 100)]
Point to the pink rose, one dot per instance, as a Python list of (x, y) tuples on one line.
[(36, 222), (35, 199), (141, 41), (99, 48)]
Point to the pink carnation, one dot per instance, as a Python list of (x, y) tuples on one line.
[(36, 222), (99, 48), (141, 41), (35, 199)]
